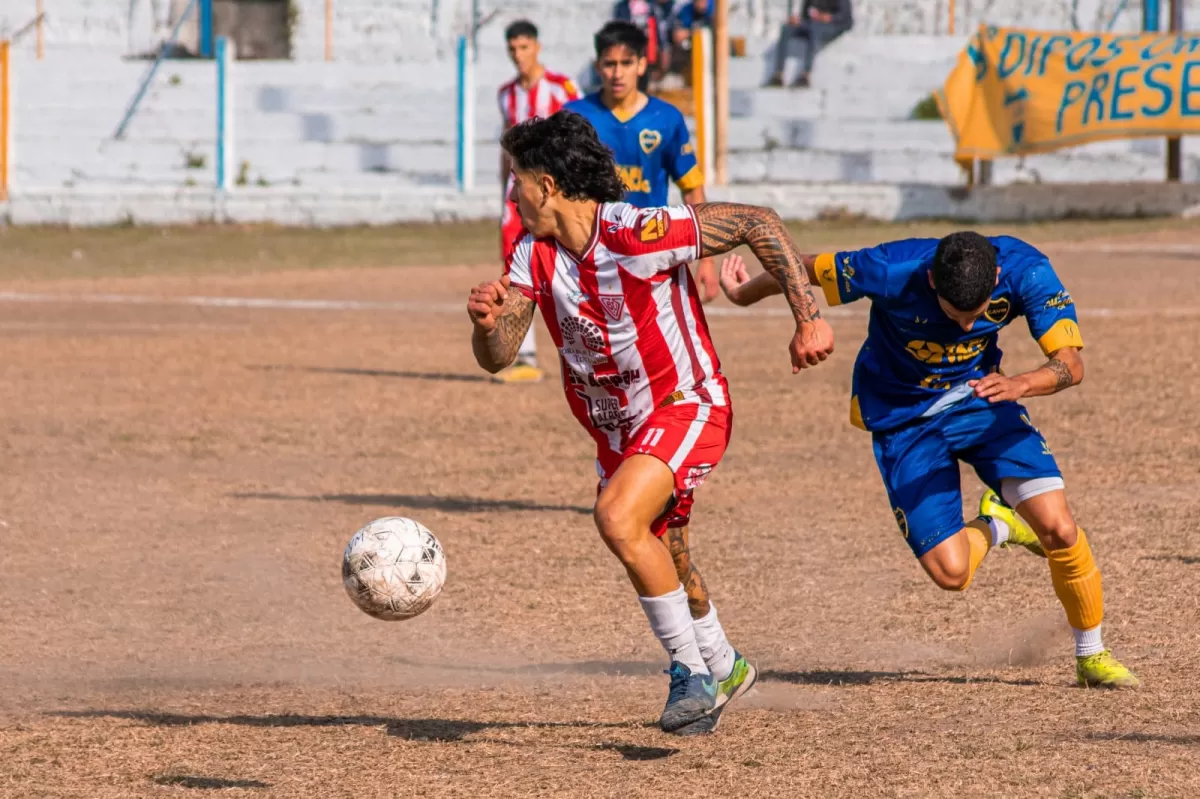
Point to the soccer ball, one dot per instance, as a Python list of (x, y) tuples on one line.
[(393, 568)]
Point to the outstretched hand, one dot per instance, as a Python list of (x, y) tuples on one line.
[(733, 275)]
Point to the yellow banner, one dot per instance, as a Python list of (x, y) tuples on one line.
[(1015, 92)]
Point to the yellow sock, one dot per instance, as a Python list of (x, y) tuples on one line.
[(979, 536), (1077, 583)]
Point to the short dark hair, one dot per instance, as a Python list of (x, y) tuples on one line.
[(619, 33), (565, 147), (964, 270), (521, 27)]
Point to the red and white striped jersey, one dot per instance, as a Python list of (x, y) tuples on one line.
[(545, 97), (626, 317)]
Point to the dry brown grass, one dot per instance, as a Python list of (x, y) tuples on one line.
[(177, 484)]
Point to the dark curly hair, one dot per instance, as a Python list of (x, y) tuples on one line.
[(964, 270), (621, 33), (565, 147)]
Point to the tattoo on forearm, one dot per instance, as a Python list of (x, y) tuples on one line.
[(689, 575), (1062, 374), (724, 226), (505, 340)]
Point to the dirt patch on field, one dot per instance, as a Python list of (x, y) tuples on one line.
[(178, 481)]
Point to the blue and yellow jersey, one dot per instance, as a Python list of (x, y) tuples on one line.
[(651, 148), (916, 361)]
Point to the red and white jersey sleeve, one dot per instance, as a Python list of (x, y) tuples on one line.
[(626, 318), (545, 97), (518, 267), (649, 241)]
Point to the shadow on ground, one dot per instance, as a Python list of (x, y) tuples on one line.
[(422, 502), (605, 668), (210, 783), (1187, 560), (437, 730), (872, 677), (1145, 738), (448, 377)]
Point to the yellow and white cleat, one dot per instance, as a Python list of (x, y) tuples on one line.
[(1019, 533), (1102, 670), (519, 373)]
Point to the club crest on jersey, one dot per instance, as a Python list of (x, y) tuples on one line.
[(997, 310), (655, 225), (613, 304), (649, 139)]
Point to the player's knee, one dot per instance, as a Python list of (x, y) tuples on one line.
[(1059, 532), (615, 521), (949, 574)]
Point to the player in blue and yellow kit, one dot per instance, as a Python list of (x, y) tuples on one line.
[(649, 138), (928, 385)]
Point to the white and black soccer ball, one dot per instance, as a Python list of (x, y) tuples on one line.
[(393, 568)]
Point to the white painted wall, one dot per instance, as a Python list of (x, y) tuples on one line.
[(381, 117)]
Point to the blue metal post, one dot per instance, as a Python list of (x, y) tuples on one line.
[(1150, 15), (460, 161), (206, 29), (224, 114)]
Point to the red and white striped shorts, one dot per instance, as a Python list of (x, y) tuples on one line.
[(690, 438)]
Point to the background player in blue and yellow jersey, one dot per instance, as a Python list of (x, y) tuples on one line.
[(649, 138), (928, 385)]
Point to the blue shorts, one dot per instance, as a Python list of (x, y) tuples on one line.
[(919, 464)]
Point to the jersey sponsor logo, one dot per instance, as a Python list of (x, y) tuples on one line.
[(932, 352), (998, 310), (901, 521), (623, 379), (936, 382), (613, 305), (1059, 301), (696, 475), (577, 330), (686, 149), (577, 297), (606, 413), (633, 178), (649, 140), (655, 225)]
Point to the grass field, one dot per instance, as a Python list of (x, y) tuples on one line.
[(177, 482)]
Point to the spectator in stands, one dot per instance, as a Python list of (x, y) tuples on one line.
[(687, 16), (817, 23), (654, 18)]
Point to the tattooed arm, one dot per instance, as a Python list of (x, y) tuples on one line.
[(724, 226), (1063, 370), (501, 317)]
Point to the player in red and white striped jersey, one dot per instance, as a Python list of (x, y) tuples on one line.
[(639, 369), (535, 92)]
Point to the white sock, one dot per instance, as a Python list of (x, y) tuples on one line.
[(527, 354), (999, 531), (671, 622), (1088, 642), (714, 646)]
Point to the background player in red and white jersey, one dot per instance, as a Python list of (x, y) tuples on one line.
[(535, 92), (639, 369)]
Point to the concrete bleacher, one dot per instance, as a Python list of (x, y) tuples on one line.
[(381, 116)]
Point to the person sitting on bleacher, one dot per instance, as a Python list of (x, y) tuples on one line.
[(817, 24), (654, 18)]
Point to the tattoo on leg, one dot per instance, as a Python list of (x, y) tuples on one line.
[(693, 582)]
